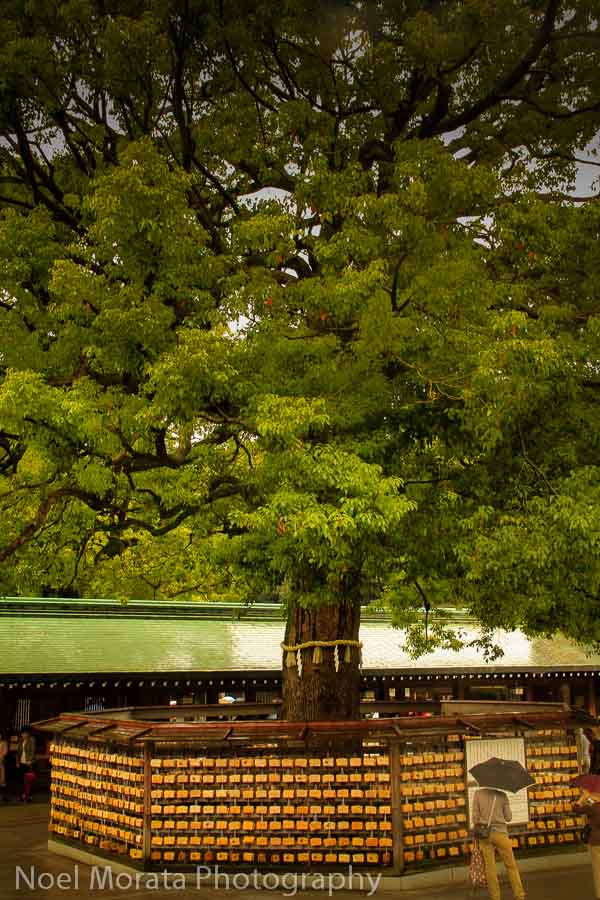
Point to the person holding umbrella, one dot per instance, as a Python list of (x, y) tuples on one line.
[(589, 805), (490, 814)]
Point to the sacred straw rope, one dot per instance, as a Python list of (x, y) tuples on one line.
[(294, 656)]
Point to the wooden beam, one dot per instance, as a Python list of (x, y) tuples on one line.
[(529, 725), (139, 734), (396, 804), (147, 824), (466, 724), (70, 727), (98, 730)]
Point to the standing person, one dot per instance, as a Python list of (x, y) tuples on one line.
[(25, 748), (585, 743), (25, 761), (589, 804), (492, 807), (3, 755)]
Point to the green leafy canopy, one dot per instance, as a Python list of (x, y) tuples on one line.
[(297, 299)]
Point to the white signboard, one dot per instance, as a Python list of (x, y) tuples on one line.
[(505, 748)]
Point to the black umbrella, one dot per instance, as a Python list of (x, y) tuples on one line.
[(503, 774)]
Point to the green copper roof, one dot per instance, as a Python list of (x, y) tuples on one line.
[(60, 643)]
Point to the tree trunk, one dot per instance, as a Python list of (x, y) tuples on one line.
[(321, 693)]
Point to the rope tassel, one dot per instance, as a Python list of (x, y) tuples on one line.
[(317, 655)]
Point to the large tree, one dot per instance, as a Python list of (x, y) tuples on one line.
[(296, 298)]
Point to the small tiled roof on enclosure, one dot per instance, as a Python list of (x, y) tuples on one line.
[(101, 728), (105, 637)]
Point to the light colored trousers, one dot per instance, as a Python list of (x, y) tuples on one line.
[(595, 855), (500, 841)]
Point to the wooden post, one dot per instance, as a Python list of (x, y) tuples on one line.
[(396, 803), (529, 692), (147, 830), (381, 691), (212, 693), (591, 694), (4, 716)]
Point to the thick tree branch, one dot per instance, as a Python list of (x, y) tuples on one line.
[(30, 530), (506, 84)]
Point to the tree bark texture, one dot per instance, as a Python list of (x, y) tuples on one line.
[(321, 693)]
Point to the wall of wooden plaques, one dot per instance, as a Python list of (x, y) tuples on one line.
[(272, 810), (97, 798), (552, 761), (267, 809)]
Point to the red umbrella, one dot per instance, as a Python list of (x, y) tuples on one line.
[(589, 783)]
